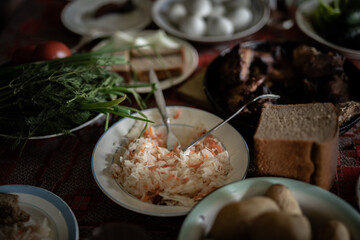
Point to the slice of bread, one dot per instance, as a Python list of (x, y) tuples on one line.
[(123, 69), (166, 63), (155, 51), (298, 141)]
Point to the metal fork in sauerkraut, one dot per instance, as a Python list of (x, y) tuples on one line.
[(150, 172)]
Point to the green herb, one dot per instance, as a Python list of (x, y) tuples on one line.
[(49, 97), (338, 22)]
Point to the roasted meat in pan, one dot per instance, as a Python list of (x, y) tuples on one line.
[(299, 73), (312, 63)]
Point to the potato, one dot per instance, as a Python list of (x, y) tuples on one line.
[(283, 196), (234, 219), (275, 215), (333, 230), (280, 226)]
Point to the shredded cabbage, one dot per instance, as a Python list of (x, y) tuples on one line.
[(152, 173)]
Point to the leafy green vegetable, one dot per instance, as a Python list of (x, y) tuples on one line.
[(326, 14), (48, 97), (338, 21)]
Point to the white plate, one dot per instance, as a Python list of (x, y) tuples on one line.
[(261, 14), (191, 59), (316, 203), (40, 203), (76, 16), (303, 21), (97, 118), (109, 142)]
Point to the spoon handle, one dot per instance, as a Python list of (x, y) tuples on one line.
[(159, 97), (270, 96)]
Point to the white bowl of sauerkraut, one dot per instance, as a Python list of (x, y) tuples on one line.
[(138, 172)]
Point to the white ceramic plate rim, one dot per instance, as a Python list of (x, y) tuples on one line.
[(316, 199), (75, 9), (191, 59), (302, 20), (85, 124), (109, 142), (164, 24), (56, 203)]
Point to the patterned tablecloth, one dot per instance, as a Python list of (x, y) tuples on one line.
[(62, 165)]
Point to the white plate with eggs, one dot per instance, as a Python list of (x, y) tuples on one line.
[(210, 21)]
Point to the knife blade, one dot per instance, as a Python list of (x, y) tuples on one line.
[(159, 96)]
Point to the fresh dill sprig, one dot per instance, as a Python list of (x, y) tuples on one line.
[(48, 97)]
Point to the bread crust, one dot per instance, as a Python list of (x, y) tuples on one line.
[(284, 158), (306, 160), (166, 63), (325, 160)]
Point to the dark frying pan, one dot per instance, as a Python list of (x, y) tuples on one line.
[(217, 99)]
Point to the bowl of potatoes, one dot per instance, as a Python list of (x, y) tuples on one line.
[(271, 208)]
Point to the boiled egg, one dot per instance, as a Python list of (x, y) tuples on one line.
[(193, 25), (240, 18), (219, 1), (177, 11), (218, 10), (219, 26), (233, 4), (200, 8)]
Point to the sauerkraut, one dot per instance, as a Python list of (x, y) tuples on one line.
[(145, 168)]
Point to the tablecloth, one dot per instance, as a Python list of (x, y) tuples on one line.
[(63, 164)]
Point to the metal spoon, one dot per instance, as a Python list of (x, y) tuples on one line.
[(270, 96), (171, 139)]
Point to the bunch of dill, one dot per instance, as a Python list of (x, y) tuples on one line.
[(48, 97)]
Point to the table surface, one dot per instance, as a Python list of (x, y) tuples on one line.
[(62, 165)]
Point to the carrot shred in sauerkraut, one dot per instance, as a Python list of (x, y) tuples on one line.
[(177, 114), (152, 173)]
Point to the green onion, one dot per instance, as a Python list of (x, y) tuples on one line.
[(48, 97)]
